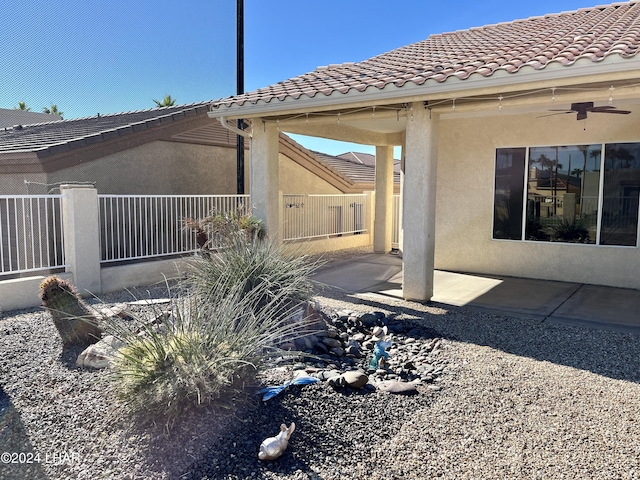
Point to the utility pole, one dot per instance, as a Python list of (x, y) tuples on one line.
[(240, 91)]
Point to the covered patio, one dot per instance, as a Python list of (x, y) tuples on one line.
[(378, 277), (507, 132)]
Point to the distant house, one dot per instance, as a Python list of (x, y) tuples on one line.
[(10, 117), (161, 151), (359, 168), (367, 159), (521, 146)]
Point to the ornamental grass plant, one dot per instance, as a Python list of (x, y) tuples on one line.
[(236, 306), (201, 353), (249, 262)]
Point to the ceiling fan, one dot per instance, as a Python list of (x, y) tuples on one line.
[(582, 108)]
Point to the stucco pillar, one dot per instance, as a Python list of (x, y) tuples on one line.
[(264, 183), (384, 200), (401, 204), (81, 229), (420, 205)]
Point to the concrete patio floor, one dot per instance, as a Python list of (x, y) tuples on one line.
[(550, 301)]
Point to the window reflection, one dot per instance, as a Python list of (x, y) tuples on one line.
[(562, 193), (620, 194)]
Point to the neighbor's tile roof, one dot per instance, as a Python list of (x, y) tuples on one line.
[(366, 159), (353, 170), (564, 38), (86, 131)]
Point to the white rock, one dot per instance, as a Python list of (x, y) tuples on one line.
[(100, 354)]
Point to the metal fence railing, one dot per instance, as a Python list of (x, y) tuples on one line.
[(395, 222), (136, 227), (312, 216), (31, 236)]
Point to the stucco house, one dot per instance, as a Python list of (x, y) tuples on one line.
[(512, 135), (161, 151)]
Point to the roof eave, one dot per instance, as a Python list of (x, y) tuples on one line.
[(553, 74)]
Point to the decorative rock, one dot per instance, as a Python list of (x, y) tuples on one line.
[(332, 342), (397, 387), (288, 346), (355, 378), (100, 354), (337, 351), (358, 337), (369, 319), (321, 347), (325, 375), (332, 333)]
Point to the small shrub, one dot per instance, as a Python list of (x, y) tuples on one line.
[(217, 229)]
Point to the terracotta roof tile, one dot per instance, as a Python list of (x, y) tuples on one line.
[(588, 33)]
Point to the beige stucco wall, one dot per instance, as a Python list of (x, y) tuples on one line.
[(23, 184), (159, 168), (294, 178), (466, 158)]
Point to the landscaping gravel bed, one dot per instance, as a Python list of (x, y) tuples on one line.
[(515, 399)]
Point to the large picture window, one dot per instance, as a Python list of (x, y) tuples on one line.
[(568, 194)]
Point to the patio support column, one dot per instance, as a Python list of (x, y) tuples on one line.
[(384, 200), (420, 206), (265, 182)]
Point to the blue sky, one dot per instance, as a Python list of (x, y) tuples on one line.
[(106, 57)]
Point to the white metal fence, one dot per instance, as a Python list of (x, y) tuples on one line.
[(395, 222), (31, 236), (312, 216), (136, 227), (142, 226)]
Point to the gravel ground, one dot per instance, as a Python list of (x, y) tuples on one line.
[(518, 399)]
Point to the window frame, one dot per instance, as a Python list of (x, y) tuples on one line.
[(525, 193)]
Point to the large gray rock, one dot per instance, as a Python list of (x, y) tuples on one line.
[(100, 355), (355, 378)]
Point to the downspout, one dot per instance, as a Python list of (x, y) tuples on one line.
[(233, 128)]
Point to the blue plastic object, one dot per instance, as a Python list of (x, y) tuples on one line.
[(379, 352), (270, 392)]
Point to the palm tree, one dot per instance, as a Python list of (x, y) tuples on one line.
[(167, 101), (22, 106), (53, 110)]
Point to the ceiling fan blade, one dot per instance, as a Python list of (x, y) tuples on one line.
[(603, 108), (619, 112), (559, 112)]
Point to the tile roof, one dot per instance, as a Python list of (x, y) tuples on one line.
[(85, 131), (353, 170), (537, 42), (366, 159)]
